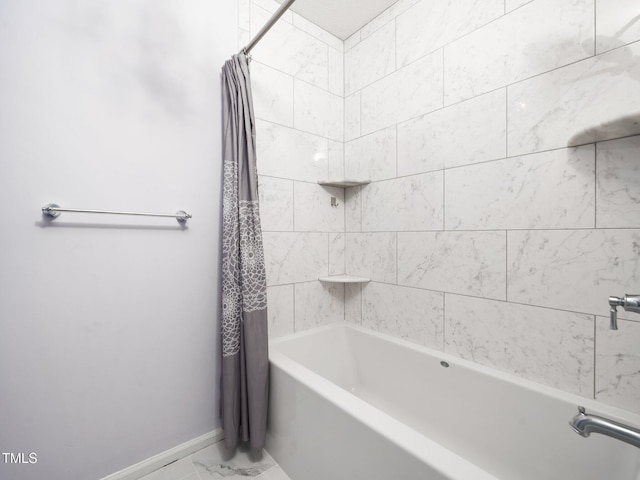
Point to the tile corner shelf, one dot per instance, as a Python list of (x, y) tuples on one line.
[(344, 279), (343, 183)]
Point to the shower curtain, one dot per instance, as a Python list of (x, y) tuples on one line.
[(245, 365)]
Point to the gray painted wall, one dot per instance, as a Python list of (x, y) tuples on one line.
[(108, 325)]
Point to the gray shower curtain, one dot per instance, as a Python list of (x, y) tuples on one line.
[(245, 363)]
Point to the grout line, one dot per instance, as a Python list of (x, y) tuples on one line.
[(506, 122), (293, 204), (361, 304), (444, 321), (294, 305), (595, 356), (359, 114), (595, 27), (293, 102), (443, 78), (328, 72), (397, 259), (506, 265), (344, 102), (444, 199), (395, 42), (397, 151), (595, 185), (328, 250), (344, 302), (361, 219)]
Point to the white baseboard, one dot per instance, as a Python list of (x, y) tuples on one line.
[(151, 464)]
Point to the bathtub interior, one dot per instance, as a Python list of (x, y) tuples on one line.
[(313, 438), (507, 426), (328, 352)]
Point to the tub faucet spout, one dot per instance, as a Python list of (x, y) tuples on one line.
[(585, 424)]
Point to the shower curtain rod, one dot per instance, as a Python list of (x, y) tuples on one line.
[(267, 26)]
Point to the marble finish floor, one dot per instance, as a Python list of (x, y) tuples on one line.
[(215, 462)]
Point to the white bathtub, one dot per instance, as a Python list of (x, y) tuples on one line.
[(351, 404)]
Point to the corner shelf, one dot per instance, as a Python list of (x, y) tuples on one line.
[(609, 130), (344, 279), (343, 183)]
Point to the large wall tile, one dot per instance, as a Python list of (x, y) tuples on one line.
[(471, 263), (287, 153), (336, 160), (410, 313), (372, 157), (562, 107), (618, 181), (290, 50), (352, 117), (409, 92), (353, 303), (407, 203), (336, 72), (311, 197), (430, 25), (573, 270), (318, 111), (318, 304), (543, 345), (618, 364), (372, 255), (370, 60), (524, 43), (276, 204), (280, 310), (616, 23), (353, 209), (337, 245), (433, 141), (555, 189), (272, 93), (295, 257)]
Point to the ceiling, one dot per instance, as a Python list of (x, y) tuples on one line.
[(340, 17)]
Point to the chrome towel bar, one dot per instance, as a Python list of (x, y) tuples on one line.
[(53, 211)]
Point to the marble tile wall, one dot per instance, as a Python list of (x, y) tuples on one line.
[(511, 222), (298, 91), (497, 222)]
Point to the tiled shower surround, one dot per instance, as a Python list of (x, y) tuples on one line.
[(484, 234)]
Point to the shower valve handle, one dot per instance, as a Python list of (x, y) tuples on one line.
[(631, 303)]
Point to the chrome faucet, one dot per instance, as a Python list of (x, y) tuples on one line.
[(631, 303), (585, 424)]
